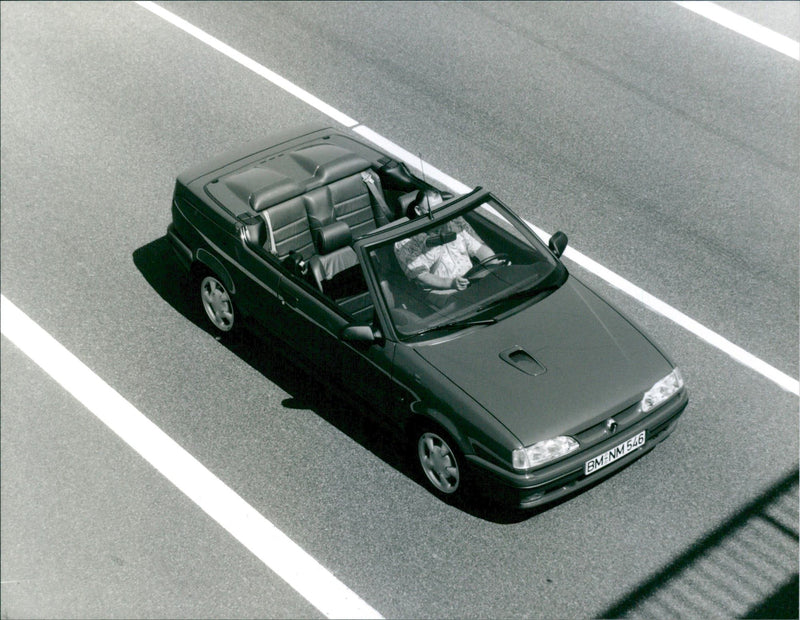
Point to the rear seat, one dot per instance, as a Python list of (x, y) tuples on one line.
[(337, 212), (296, 223), (320, 225), (288, 228), (346, 200), (352, 204)]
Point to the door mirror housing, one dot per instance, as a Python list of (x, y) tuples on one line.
[(558, 243), (359, 333)]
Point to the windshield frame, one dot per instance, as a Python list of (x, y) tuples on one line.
[(404, 228)]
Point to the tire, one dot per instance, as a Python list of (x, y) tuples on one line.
[(440, 462), (217, 303)]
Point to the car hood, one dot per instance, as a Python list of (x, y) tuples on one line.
[(580, 363)]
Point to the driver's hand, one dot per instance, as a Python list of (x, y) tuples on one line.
[(460, 283)]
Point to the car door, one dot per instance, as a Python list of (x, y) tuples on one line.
[(257, 288), (364, 369)]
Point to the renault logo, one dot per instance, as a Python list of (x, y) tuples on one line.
[(611, 426)]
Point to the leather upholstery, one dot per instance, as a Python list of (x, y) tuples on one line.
[(333, 236), (325, 267), (320, 226), (289, 226), (256, 231), (328, 162), (319, 208), (352, 204), (274, 186), (346, 200)]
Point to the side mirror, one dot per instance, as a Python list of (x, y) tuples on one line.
[(359, 333), (558, 243)]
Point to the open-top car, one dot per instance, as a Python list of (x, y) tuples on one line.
[(443, 316)]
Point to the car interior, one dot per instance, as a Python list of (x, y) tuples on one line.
[(312, 234)]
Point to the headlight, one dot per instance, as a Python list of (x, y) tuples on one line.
[(662, 390), (542, 452)]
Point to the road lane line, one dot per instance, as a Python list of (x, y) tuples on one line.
[(429, 171), (742, 25), (249, 63), (737, 353), (783, 380), (282, 555)]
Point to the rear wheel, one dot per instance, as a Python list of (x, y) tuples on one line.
[(441, 462), (217, 303)]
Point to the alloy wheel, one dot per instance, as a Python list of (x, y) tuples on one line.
[(217, 303), (439, 462)]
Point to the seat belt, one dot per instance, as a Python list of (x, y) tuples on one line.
[(272, 245), (380, 210)]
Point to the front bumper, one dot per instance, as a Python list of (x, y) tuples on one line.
[(550, 483)]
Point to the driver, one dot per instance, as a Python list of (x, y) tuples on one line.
[(439, 258)]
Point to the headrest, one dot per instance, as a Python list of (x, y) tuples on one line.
[(333, 236), (407, 200), (424, 203)]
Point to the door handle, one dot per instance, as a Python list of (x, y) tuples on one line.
[(288, 299)]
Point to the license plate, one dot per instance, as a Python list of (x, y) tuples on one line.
[(615, 453)]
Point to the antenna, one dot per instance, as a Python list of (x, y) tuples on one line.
[(424, 193)]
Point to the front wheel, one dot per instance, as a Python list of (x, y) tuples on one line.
[(217, 303), (440, 462)]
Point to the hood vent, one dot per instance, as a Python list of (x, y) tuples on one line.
[(522, 360)]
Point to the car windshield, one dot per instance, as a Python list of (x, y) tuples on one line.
[(465, 269)]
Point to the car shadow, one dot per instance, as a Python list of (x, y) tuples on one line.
[(162, 270)]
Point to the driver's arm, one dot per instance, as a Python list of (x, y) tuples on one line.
[(474, 244), (431, 280), (483, 252)]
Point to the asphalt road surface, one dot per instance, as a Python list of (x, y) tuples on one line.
[(666, 146)]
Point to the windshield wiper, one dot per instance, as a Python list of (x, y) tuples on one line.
[(456, 325)]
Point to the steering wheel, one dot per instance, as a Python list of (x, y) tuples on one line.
[(482, 266)]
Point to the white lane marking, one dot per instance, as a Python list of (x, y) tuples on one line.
[(736, 352), (282, 555), (430, 172), (251, 64), (742, 25), (783, 380)]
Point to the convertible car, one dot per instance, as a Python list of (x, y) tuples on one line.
[(444, 317)]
